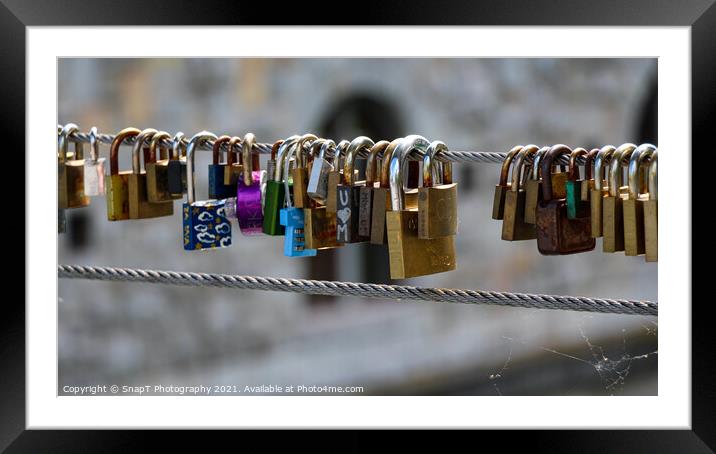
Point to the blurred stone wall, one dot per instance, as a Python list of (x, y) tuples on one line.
[(113, 332)]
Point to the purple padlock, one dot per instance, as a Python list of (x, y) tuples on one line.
[(249, 206)]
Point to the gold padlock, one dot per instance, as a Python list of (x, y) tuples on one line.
[(117, 183), (299, 173), (335, 176), (514, 227), (365, 206), (633, 205), (157, 171), (651, 220), (70, 172), (588, 184), (235, 163), (498, 202), (600, 189), (411, 256), (612, 219), (139, 205), (437, 198)]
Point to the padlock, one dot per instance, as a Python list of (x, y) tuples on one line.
[(320, 225), (233, 170), (411, 256), (299, 173), (556, 233), (271, 164), (205, 224), (117, 183), (335, 177), (70, 172), (217, 189), (275, 196), (498, 202), (317, 188), (533, 186), (633, 205), (437, 198), (139, 205), (600, 190), (514, 227), (94, 168), (365, 205), (588, 174), (292, 218), (651, 219), (612, 211), (575, 207), (348, 194), (381, 196), (176, 168), (249, 210), (158, 172)]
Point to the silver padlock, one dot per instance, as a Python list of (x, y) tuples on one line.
[(318, 180), (94, 168)]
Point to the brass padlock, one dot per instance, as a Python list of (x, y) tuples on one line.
[(651, 219), (612, 212), (158, 172), (335, 176), (411, 256), (533, 186), (70, 172), (600, 189), (235, 163), (575, 207), (514, 227), (498, 203), (365, 205), (348, 194), (589, 174), (437, 198), (299, 173), (633, 205), (320, 225), (117, 183), (556, 233), (139, 205), (94, 167)]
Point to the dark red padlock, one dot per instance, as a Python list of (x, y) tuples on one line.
[(556, 233)]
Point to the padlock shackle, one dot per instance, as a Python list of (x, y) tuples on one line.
[(355, 147), (339, 152), (93, 144), (555, 152), (293, 149), (216, 149), (505, 170), (156, 140), (274, 149), (385, 163), (114, 148), (589, 163), (301, 153), (198, 139), (653, 177), (639, 157), (326, 145), (177, 145), (371, 164), (143, 136), (601, 165), (573, 169), (410, 144), (64, 139), (536, 170), (247, 147), (616, 175), (281, 155), (519, 163), (433, 172), (232, 155)]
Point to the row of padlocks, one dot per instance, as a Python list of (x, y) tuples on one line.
[(311, 196), (566, 213)]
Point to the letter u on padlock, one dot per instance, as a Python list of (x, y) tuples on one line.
[(70, 172), (205, 224), (139, 205), (117, 183), (411, 256), (556, 233), (249, 211), (437, 203), (348, 201), (292, 218)]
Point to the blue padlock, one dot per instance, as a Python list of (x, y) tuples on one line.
[(205, 224), (294, 241)]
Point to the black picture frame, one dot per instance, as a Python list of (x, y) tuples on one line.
[(700, 15)]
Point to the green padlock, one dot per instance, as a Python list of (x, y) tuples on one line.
[(275, 193), (576, 208)]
